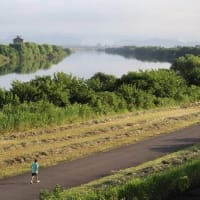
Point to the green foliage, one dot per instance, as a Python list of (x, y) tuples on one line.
[(55, 194), (160, 83), (160, 186), (183, 183), (3, 60), (68, 98), (41, 88), (189, 67), (136, 98), (25, 115), (108, 102), (29, 57), (8, 51), (40, 114), (102, 82), (153, 53)]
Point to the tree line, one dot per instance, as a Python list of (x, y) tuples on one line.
[(154, 53), (28, 57)]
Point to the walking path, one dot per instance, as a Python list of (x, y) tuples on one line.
[(77, 172)]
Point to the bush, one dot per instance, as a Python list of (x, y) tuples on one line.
[(67, 98), (188, 66)]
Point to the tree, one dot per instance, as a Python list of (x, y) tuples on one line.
[(102, 82), (189, 67)]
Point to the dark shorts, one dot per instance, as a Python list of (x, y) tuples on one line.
[(34, 174)]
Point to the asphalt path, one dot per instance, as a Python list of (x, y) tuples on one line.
[(77, 172)]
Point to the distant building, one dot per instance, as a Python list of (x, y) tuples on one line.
[(18, 40)]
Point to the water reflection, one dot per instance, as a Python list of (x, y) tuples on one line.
[(82, 64), (27, 66)]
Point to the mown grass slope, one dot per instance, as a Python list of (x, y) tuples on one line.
[(72, 141)]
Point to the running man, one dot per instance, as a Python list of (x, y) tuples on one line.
[(35, 167)]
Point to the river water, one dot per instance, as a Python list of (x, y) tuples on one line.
[(84, 64)]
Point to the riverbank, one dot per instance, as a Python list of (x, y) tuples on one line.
[(72, 141), (77, 172)]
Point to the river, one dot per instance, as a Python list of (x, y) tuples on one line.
[(85, 64)]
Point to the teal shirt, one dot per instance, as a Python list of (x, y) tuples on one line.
[(35, 167)]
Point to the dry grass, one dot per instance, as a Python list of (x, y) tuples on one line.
[(72, 141)]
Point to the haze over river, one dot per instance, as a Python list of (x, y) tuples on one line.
[(84, 64)]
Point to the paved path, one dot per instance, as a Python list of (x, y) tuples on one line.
[(74, 173)]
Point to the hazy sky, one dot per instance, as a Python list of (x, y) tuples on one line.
[(177, 19)]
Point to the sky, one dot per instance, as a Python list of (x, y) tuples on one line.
[(106, 21)]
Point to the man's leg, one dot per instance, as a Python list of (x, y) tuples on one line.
[(37, 179), (32, 179)]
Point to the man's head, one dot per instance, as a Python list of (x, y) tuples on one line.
[(35, 160)]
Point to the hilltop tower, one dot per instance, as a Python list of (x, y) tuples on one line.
[(18, 40)]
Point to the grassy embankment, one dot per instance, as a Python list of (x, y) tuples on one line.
[(154, 180), (71, 141)]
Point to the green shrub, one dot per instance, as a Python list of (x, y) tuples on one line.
[(65, 98)]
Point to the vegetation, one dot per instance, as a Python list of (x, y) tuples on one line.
[(158, 179), (68, 98), (64, 98), (154, 53), (53, 144), (3, 60), (29, 57), (188, 67)]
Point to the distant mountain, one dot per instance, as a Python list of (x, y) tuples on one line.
[(155, 42), (79, 39)]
